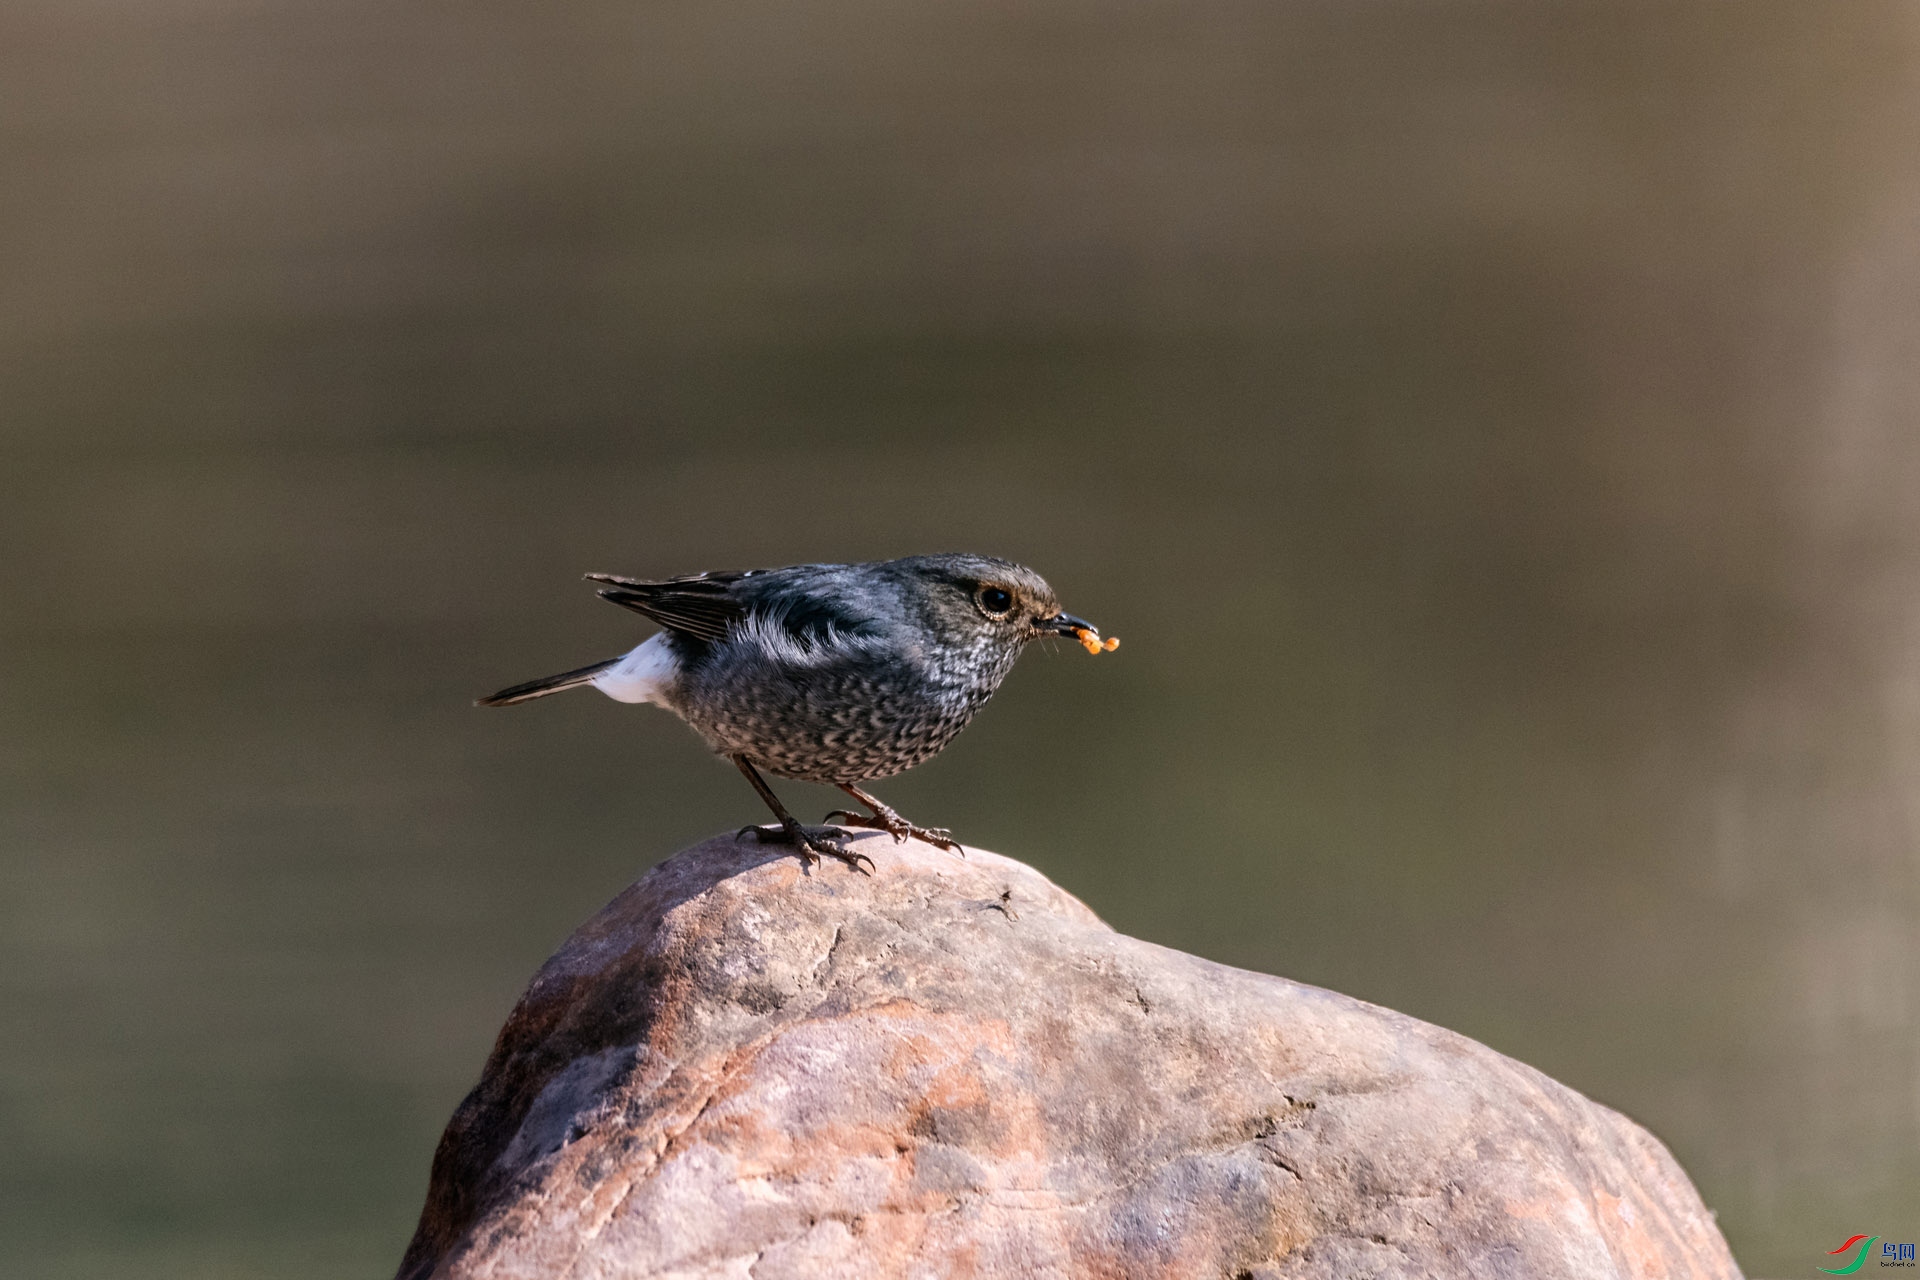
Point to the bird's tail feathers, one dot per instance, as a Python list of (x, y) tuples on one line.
[(545, 685)]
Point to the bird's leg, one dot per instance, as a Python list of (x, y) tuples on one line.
[(886, 819), (808, 842)]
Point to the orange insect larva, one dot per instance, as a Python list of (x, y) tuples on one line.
[(1090, 640)]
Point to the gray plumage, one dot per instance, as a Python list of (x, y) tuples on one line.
[(827, 673)]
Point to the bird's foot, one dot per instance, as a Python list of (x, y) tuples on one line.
[(898, 827), (810, 843)]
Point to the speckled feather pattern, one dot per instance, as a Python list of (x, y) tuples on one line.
[(846, 709)]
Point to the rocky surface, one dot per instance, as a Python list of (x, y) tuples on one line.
[(953, 1068)]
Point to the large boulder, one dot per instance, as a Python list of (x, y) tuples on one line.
[(952, 1068)]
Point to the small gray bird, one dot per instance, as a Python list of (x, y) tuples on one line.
[(834, 673)]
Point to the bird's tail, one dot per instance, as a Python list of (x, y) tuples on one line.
[(547, 684)]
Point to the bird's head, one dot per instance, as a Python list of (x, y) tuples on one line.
[(982, 601)]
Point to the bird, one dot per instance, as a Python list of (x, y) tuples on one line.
[(830, 673)]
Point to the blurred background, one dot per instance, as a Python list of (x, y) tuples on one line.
[(1489, 426)]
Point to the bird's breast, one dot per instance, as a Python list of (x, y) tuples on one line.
[(848, 717)]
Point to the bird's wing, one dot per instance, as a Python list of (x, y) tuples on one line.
[(701, 604)]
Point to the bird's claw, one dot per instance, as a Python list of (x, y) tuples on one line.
[(811, 842), (899, 828), (939, 837)]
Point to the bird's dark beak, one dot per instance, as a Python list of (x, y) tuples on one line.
[(1065, 624)]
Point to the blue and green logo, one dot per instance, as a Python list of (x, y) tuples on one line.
[(1859, 1259)]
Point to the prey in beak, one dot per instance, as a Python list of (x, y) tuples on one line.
[(1065, 624)]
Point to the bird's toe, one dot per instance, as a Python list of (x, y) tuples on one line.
[(812, 843)]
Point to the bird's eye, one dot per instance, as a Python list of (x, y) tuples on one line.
[(995, 602)]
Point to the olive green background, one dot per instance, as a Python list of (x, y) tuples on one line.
[(1490, 427)]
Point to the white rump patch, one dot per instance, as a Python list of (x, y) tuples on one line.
[(643, 675)]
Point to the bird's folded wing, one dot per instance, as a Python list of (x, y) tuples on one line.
[(702, 604)]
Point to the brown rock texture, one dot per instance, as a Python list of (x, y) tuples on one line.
[(953, 1068)]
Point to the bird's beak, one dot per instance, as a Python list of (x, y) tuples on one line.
[(1065, 624)]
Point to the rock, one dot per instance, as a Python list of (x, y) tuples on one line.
[(953, 1068)]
